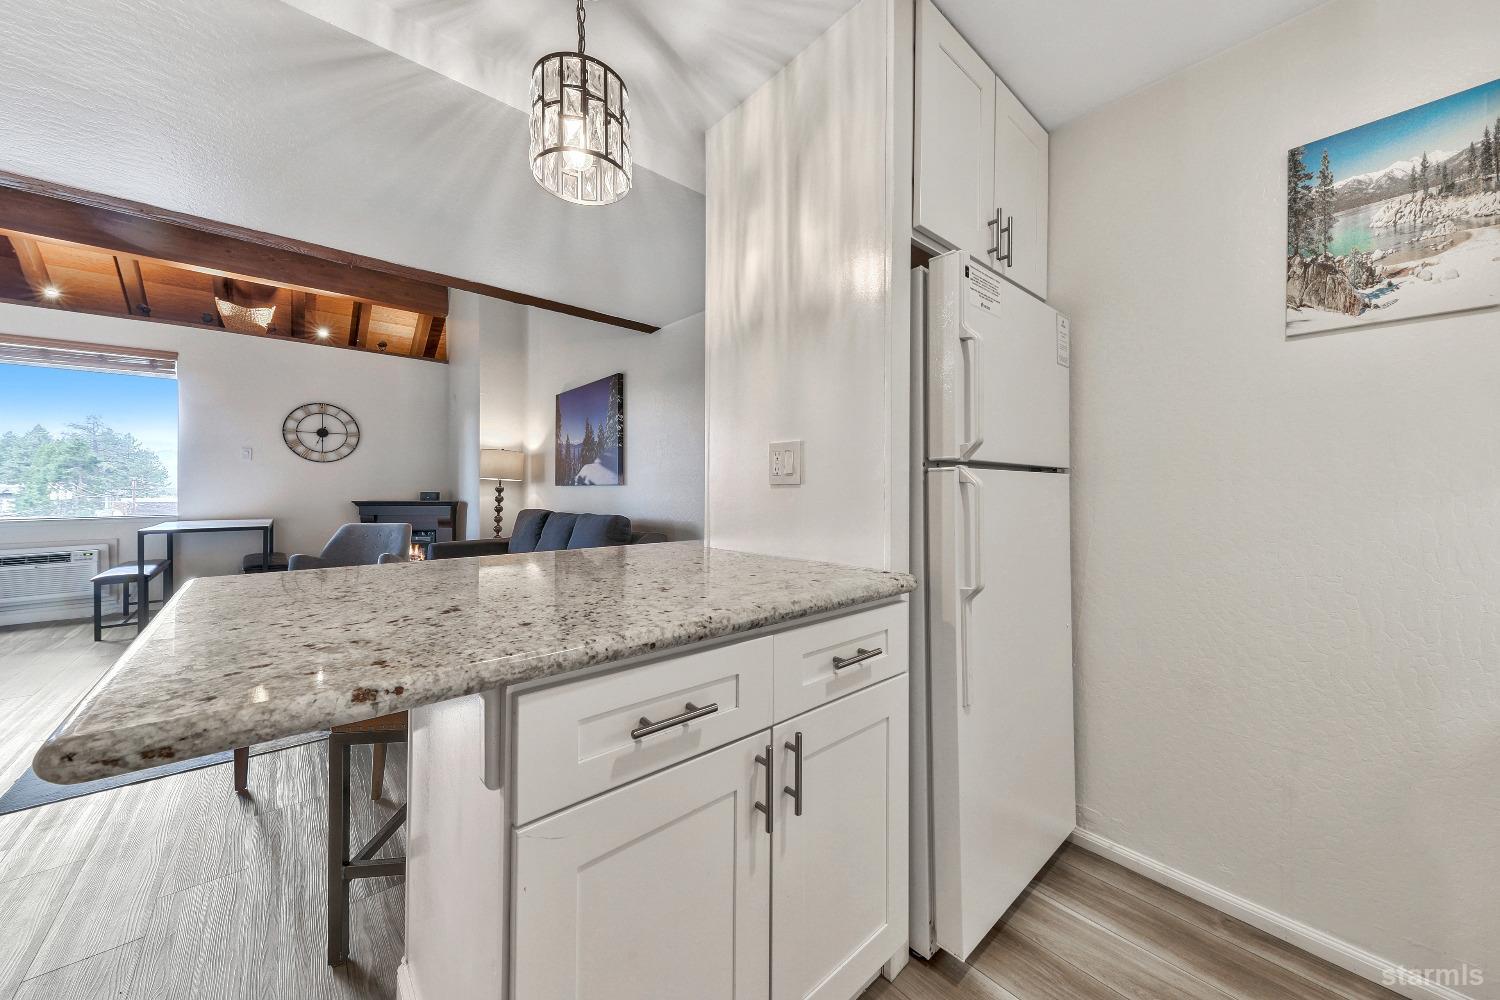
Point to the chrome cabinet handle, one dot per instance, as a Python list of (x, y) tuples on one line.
[(860, 656), (764, 760), (689, 713), (795, 789), (1008, 233)]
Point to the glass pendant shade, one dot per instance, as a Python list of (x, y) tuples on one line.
[(580, 129)]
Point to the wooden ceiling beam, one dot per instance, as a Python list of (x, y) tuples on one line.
[(299, 315), (161, 236), (434, 337), (419, 336), (34, 267), (132, 286), (419, 290), (359, 324)]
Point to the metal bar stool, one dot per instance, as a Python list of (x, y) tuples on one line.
[(126, 575), (344, 865)]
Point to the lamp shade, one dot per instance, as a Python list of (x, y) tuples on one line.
[(500, 463)]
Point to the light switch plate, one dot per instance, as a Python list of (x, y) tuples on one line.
[(786, 463), (247, 454)]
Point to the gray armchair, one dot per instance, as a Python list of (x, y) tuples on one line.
[(359, 545)]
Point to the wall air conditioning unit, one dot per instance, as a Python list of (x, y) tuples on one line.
[(55, 573)]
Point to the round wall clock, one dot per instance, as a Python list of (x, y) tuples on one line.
[(321, 432)]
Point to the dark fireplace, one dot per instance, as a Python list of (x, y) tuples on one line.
[(420, 539), (430, 520)]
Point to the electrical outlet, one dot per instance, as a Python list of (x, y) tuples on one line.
[(786, 463), (247, 454)]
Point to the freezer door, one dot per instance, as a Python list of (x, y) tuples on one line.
[(997, 370), (1000, 666)]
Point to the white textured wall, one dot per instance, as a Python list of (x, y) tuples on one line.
[(807, 323), (663, 488), (1287, 554), (254, 113), (234, 391)]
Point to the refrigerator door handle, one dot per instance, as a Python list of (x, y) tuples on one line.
[(973, 587), (968, 343)]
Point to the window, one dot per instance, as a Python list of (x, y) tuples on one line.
[(86, 430)]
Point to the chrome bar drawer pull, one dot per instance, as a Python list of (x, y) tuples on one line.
[(795, 789), (764, 760), (688, 714), (860, 656)]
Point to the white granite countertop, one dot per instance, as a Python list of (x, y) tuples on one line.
[(237, 660)]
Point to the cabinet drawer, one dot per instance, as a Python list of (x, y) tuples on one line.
[(575, 740), (806, 673)]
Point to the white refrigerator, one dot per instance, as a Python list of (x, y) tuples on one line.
[(992, 650)]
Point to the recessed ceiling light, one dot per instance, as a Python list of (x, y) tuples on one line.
[(323, 332), (51, 292)]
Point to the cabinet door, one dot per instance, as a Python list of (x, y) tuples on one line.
[(659, 890), (839, 898), (1021, 191), (954, 138)]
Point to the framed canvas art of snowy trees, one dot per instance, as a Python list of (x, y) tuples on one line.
[(591, 434), (1396, 219)]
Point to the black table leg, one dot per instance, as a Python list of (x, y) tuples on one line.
[(338, 849), (143, 615), (166, 582), (266, 539)]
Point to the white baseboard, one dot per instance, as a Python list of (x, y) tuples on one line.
[(1346, 956)]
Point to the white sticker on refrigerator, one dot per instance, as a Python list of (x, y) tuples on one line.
[(1064, 341), (984, 290)]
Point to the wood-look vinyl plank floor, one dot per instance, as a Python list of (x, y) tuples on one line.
[(106, 974), (29, 903), (1236, 932), (178, 887), (1133, 972), (1239, 973), (1088, 929)]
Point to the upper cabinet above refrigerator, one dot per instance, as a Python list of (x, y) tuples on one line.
[(980, 158)]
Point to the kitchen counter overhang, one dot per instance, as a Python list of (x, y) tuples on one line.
[(234, 661)]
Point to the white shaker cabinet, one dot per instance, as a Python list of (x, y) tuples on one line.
[(1020, 193), (954, 151), (633, 832), (980, 158), (838, 899), (660, 890)]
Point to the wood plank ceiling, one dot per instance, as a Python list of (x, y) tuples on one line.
[(63, 275)]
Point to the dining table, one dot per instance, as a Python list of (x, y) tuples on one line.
[(171, 529)]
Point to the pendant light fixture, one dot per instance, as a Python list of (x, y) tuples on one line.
[(580, 127)]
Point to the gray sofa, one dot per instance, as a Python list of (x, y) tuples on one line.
[(539, 530)]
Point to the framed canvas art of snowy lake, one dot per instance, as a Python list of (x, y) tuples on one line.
[(1396, 219), (591, 434)]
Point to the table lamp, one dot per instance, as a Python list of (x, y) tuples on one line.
[(503, 466)]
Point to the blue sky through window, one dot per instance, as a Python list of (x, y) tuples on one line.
[(57, 397)]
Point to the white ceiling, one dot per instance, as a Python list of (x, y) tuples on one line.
[(1064, 58), (688, 62)]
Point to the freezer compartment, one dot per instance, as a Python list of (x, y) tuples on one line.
[(996, 370), (999, 670)]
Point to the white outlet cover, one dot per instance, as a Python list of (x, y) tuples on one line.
[(786, 463), (247, 454)]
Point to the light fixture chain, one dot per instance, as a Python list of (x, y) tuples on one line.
[(581, 18)]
